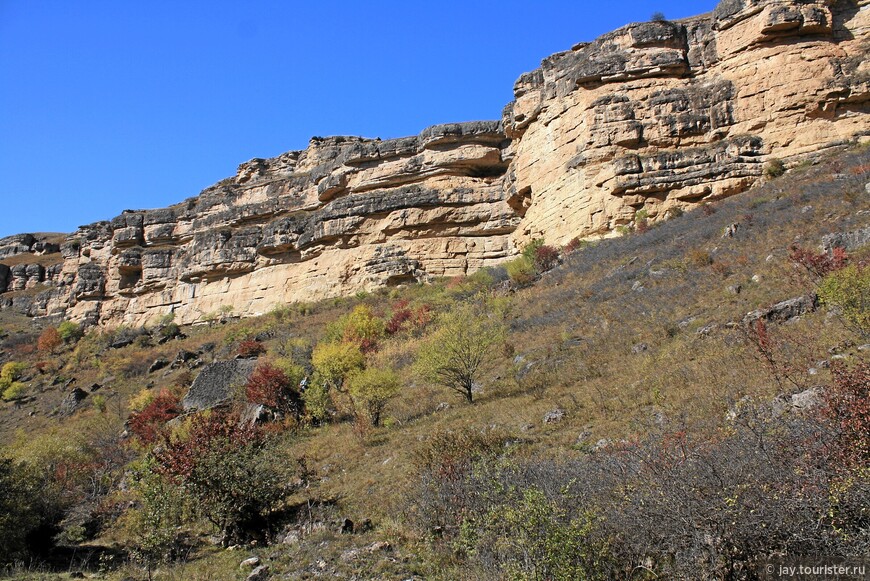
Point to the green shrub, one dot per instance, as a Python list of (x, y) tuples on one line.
[(774, 168), (445, 453), (18, 513), (10, 387), (15, 390), (335, 361), (230, 473), (532, 537), (371, 390), (459, 349), (361, 326), (317, 401), (168, 331), (70, 332), (848, 289), (155, 524), (521, 270)]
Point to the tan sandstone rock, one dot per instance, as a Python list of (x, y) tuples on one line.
[(652, 116)]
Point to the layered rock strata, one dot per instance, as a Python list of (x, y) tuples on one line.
[(667, 114), (650, 117)]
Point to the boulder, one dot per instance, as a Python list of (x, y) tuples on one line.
[(850, 241), (72, 401), (785, 310), (554, 416), (261, 573), (158, 364), (216, 383)]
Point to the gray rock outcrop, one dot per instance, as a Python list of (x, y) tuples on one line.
[(216, 384)]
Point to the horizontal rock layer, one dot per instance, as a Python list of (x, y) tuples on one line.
[(652, 116)]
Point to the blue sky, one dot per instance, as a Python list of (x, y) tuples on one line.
[(112, 105)]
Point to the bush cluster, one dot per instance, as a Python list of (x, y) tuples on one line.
[(10, 373), (229, 471), (535, 259), (148, 424), (669, 507)]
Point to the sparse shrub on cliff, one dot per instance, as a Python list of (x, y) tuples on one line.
[(774, 168), (535, 258), (573, 245), (641, 221), (658, 17), (521, 270), (168, 332), (675, 212), (545, 258), (70, 332)]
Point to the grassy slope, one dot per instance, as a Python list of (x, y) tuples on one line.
[(611, 337)]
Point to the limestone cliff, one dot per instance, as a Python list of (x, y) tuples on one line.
[(651, 116)]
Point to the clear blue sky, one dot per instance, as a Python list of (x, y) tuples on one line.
[(108, 105)]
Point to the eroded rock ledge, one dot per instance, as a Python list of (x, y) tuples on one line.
[(651, 116)]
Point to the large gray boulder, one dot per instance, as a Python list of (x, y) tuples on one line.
[(216, 383), (847, 240)]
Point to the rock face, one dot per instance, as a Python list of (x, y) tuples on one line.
[(666, 114), (215, 383), (652, 116)]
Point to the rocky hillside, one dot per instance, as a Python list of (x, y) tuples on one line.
[(650, 117)]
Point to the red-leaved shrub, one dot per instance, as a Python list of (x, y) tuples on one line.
[(269, 386), (49, 340), (147, 425), (404, 318), (818, 264), (401, 315), (214, 433), (250, 348), (546, 257)]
